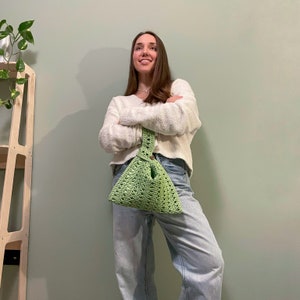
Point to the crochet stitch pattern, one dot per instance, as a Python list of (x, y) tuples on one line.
[(145, 184)]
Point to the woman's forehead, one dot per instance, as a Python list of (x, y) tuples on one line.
[(146, 39)]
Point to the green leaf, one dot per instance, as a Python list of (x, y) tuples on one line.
[(2, 22), (20, 66), (9, 29), (1, 52), (8, 104), (14, 94), (21, 80), (27, 35), (3, 34), (4, 74), (24, 26), (22, 45)]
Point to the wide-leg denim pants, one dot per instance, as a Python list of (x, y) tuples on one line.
[(194, 250)]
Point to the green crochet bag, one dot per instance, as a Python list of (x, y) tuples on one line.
[(145, 184)]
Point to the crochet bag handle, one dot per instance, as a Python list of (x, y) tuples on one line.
[(148, 144)]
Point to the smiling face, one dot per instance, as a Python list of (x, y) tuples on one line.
[(144, 54)]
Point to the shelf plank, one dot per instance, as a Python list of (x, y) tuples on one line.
[(3, 156), (20, 163), (13, 246)]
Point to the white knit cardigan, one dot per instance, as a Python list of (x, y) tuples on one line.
[(175, 125)]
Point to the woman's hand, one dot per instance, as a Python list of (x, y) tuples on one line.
[(173, 98)]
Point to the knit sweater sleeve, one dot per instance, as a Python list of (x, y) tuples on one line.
[(175, 118), (114, 137)]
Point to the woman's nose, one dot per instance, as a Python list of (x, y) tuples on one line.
[(145, 51)]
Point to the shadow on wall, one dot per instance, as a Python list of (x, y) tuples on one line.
[(205, 180), (70, 244), (206, 187)]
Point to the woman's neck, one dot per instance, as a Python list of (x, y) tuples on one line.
[(143, 91), (144, 86), (144, 81)]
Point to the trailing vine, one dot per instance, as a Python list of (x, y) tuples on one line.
[(16, 42)]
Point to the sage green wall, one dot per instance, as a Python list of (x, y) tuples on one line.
[(242, 60)]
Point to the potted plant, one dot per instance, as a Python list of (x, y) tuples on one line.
[(13, 44)]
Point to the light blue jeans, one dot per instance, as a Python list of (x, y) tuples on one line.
[(194, 250)]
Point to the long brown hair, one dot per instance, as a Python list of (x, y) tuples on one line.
[(161, 78)]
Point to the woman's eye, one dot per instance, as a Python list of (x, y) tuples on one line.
[(137, 48), (154, 48)]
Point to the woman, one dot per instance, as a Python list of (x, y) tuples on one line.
[(152, 100)]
